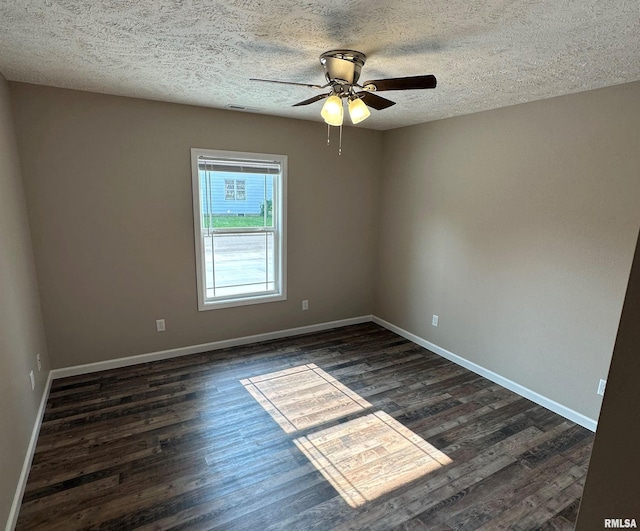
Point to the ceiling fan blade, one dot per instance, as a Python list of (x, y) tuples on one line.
[(288, 83), (403, 83), (374, 101), (312, 100)]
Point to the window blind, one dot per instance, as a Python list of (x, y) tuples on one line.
[(235, 166)]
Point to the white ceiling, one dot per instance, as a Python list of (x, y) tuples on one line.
[(485, 53)]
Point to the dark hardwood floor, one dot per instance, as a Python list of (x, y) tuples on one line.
[(352, 428)]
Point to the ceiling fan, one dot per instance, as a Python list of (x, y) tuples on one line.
[(342, 70)]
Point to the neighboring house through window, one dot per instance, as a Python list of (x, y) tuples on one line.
[(239, 202), (235, 189)]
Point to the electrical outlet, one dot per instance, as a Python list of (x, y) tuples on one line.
[(601, 386), (305, 304), (160, 326), (39, 362), (434, 320), (32, 378)]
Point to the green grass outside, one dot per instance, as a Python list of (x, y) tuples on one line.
[(228, 222)]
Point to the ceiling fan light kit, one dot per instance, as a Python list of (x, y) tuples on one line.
[(358, 111), (342, 69), (332, 111)]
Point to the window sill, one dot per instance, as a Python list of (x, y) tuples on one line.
[(244, 301)]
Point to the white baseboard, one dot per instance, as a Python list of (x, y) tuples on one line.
[(204, 347), (554, 406), (26, 466)]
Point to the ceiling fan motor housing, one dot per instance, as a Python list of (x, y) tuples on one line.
[(342, 66)]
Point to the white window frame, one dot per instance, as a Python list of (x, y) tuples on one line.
[(279, 230)]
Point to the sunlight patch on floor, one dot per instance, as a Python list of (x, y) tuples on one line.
[(303, 397), (362, 458), (370, 456)]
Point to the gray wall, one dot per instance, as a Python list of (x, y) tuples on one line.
[(108, 183), (517, 228), (21, 330)]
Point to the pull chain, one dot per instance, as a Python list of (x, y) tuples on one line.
[(340, 139)]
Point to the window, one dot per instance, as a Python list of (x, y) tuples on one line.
[(235, 190), (239, 202)]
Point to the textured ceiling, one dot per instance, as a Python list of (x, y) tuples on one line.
[(485, 53)]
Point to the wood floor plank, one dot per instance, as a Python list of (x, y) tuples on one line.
[(183, 443), (519, 512), (484, 509)]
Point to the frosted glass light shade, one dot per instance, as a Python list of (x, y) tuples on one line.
[(332, 111), (358, 111)]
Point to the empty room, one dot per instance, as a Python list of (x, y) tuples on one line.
[(319, 265)]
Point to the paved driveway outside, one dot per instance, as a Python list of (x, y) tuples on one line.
[(243, 263)]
